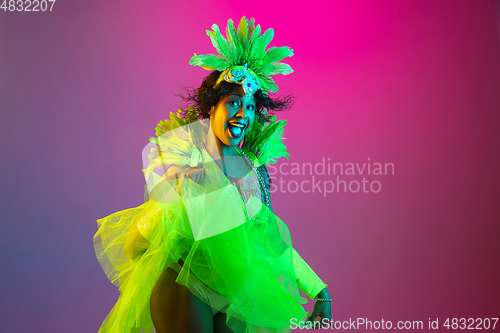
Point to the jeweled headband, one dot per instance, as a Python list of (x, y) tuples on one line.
[(243, 58)]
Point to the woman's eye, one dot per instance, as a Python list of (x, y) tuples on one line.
[(251, 107), (234, 103)]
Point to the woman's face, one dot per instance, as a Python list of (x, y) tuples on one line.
[(233, 116)]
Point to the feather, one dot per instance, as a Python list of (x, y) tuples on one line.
[(280, 68), (251, 28), (251, 41), (243, 27), (261, 43), (213, 38), (275, 54), (221, 41), (231, 37), (210, 61), (233, 40), (269, 85), (266, 141)]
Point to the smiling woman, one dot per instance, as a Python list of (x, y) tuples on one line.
[(206, 253)]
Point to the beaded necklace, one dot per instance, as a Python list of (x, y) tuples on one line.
[(247, 185)]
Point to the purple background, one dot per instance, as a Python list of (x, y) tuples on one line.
[(414, 83)]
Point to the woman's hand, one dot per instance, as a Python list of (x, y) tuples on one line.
[(195, 174), (322, 309)]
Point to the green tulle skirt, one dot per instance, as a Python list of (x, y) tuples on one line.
[(246, 272), (241, 266)]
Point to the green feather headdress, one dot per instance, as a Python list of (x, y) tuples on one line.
[(243, 57)]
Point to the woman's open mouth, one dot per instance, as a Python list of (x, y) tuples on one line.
[(236, 129)]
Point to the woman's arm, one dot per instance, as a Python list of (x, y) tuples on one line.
[(181, 172), (174, 171), (308, 281)]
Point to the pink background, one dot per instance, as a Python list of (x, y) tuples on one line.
[(414, 83)]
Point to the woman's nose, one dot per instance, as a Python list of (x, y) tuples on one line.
[(241, 112)]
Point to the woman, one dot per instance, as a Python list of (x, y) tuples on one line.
[(206, 253)]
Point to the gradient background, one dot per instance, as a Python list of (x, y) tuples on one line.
[(415, 83)]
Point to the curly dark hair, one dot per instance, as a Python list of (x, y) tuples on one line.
[(204, 97)]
